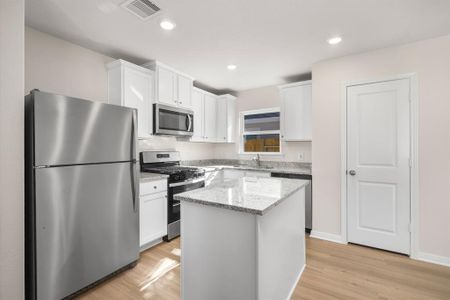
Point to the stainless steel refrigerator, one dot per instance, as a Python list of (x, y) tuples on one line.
[(81, 193)]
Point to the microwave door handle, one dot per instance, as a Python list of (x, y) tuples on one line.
[(190, 122)]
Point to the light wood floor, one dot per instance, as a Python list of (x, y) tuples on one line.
[(333, 271)]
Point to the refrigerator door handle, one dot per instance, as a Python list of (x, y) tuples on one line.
[(133, 135), (134, 175), (135, 185)]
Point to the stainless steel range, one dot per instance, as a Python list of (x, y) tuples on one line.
[(181, 179)]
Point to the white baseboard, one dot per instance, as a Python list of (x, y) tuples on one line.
[(432, 258), (296, 282), (327, 237)]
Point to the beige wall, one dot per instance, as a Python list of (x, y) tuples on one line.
[(57, 66), (430, 59), (11, 149), (265, 97)]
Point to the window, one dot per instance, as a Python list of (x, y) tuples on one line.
[(260, 131)]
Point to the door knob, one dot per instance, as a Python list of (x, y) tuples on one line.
[(352, 172)]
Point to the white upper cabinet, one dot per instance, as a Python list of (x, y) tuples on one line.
[(296, 111), (204, 105), (172, 87), (226, 119), (165, 86), (221, 120), (198, 106), (131, 85), (184, 88), (210, 123), (214, 117)]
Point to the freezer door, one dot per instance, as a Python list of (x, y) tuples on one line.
[(87, 225), (71, 131)]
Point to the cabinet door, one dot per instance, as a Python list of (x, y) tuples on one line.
[(231, 121), (257, 174), (296, 112), (210, 118), (152, 217), (198, 108), (184, 91), (233, 174), (137, 94), (221, 120), (166, 86)]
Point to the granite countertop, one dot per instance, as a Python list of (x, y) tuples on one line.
[(284, 170), (248, 194), (149, 177)]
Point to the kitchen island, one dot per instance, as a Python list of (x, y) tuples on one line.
[(242, 239)]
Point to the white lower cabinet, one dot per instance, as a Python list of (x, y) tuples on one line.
[(233, 174), (152, 211), (257, 174)]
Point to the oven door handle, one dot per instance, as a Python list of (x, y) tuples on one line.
[(187, 182)]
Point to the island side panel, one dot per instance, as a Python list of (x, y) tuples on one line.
[(281, 247), (218, 253)]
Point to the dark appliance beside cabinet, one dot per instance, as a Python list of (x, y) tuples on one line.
[(308, 195)]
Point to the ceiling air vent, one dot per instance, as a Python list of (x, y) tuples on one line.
[(144, 9)]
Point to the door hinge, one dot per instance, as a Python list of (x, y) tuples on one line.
[(410, 163), (409, 227)]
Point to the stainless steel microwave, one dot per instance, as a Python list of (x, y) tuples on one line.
[(168, 120)]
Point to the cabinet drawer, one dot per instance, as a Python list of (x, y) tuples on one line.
[(153, 187)]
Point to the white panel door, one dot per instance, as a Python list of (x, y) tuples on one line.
[(184, 91), (166, 86), (137, 94), (198, 106), (221, 120), (210, 118), (378, 179)]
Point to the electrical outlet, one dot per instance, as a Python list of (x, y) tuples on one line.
[(301, 156)]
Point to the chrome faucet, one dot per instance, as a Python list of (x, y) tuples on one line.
[(257, 159)]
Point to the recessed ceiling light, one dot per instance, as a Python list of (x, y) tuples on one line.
[(167, 25), (335, 40), (231, 67)]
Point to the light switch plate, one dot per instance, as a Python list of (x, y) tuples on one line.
[(301, 156)]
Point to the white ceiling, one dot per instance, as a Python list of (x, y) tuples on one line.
[(269, 41)]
